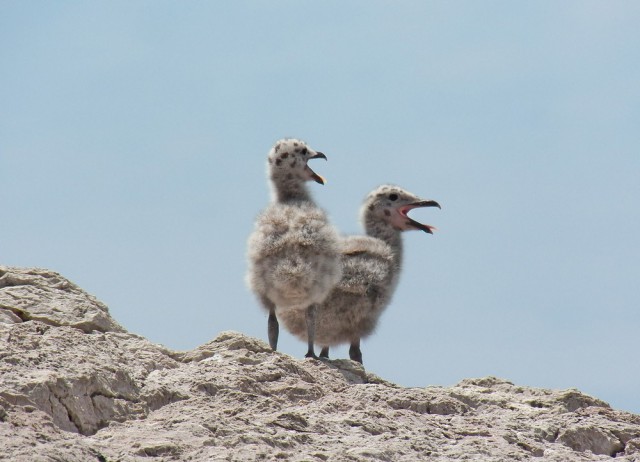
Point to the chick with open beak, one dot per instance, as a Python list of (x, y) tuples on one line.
[(389, 206), (294, 251), (370, 270), (288, 169)]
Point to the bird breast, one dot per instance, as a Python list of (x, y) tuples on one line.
[(294, 255)]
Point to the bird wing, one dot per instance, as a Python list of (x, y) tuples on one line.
[(367, 265)]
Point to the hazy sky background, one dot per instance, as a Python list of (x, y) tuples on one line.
[(134, 135)]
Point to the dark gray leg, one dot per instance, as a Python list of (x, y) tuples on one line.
[(311, 331), (324, 353), (354, 351), (273, 328)]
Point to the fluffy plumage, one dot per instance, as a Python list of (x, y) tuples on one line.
[(293, 252), (371, 266)]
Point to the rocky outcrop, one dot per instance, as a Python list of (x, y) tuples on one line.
[(45, 296), (75, 386)]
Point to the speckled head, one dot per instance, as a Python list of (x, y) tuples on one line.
[(390, 205), (288, 161)]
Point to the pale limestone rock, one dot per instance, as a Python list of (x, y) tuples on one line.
[(597, 440), (78, 394), (41, 295)]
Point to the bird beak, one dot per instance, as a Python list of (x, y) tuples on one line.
[(319, 155), (314, 176), (415, 224), (426, 204)]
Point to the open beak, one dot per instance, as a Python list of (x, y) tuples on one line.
[(314, 176), (413, 223), (319, 155)]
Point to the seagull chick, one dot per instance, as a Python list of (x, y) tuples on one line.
[(293, 252), (371, 266)]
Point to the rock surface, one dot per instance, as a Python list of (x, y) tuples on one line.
[(75, 386)]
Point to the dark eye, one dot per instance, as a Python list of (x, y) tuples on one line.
[(305, 151), (393, 197)]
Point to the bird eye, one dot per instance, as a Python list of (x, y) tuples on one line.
[(305, 151), (393, 197)]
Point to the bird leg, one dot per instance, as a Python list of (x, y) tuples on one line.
[(273, 329), (354, 351), (311, 331), (324, 353)]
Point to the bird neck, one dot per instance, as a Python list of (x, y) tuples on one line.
[(388, 234), (289, 190)]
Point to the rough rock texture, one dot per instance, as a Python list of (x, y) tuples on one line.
[(74, 386), (45, 296)]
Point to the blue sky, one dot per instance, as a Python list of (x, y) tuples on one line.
[(133, 140)]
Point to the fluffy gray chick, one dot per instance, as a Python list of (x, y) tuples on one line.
[(293, 252), (371, 266)]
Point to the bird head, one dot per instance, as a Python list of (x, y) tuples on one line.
[(391, 205), (288, 161)]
